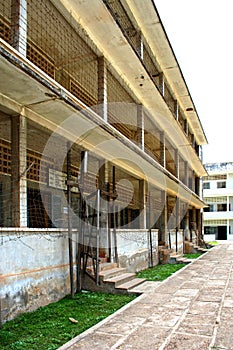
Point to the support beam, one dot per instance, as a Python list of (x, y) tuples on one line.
[(19, 25), (19, 171)]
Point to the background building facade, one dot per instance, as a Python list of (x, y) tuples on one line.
[(218, 195)]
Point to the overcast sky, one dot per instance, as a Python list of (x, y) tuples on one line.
[(201, 34)]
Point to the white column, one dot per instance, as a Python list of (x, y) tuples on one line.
[(19, 25), (19, 171), (102, 88), (142, 199), (140, 126)]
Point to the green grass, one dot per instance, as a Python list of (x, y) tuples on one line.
[(213, 243), (192, 256), (160, 272), (49, 327)]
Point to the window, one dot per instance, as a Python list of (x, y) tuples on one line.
[(206, 185), (221, 184), (222, 207), (209, 208), (210, 230)]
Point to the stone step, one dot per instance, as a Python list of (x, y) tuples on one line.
[(107, 266), (184, 260), (120, 279), (110, 273), (131, 284)]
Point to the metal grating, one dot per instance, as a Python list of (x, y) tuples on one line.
[(5, 20), (152, 139), (5, 157), (150, 65), (170, 158), (59, 50), (122, 109), (169, 99)]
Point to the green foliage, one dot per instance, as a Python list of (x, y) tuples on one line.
[(49, 327), (192, 256), (159, 272)]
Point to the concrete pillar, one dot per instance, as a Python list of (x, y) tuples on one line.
[(140, 126), (162, 149), (186, 226), (19, 171), (178, 213), (163, 219), (177, 163), (102, 88), (19, 25), (140, 46), (142, 201), (186, 173), (176, 110)]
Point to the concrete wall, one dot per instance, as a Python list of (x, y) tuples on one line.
[(180, 241), (34, 269), (34, 265), (133, 248)]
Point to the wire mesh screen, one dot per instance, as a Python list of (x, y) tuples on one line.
[(5, 18), (56, 47), (169, 99), (152, 139), (150, 65), (122, 109), (170, 158)]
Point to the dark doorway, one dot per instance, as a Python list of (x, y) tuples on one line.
[(222, 232)]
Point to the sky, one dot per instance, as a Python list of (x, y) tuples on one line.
[(201, 35)]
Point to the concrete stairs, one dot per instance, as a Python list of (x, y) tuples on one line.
[(117, 280), (179, 259)]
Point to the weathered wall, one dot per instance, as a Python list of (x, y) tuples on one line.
[(180, 241), (133, 249), (34, 270)]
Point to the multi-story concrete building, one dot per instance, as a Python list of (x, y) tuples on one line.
[(99, 140), (218, 195)]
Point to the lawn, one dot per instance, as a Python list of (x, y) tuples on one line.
[(159, 272), (192, 256), (49, 327)]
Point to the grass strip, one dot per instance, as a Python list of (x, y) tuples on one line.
[(49, 327), (159, 272)]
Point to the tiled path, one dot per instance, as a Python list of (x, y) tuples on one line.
[(192, 310)]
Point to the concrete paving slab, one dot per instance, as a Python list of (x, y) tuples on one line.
[(191, 310)]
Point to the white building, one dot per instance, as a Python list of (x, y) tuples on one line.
[(218, 194)]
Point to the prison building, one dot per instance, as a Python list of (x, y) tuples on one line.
[(218, 195), (100, 145)]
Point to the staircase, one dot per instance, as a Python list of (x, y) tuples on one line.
[(113, 279)]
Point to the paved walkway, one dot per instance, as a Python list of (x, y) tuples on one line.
[(192, 310)]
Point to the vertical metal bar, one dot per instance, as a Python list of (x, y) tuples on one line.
[(98, 237), (68, 163), (114, 214)]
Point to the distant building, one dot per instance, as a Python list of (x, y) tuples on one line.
[(218, 194)]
